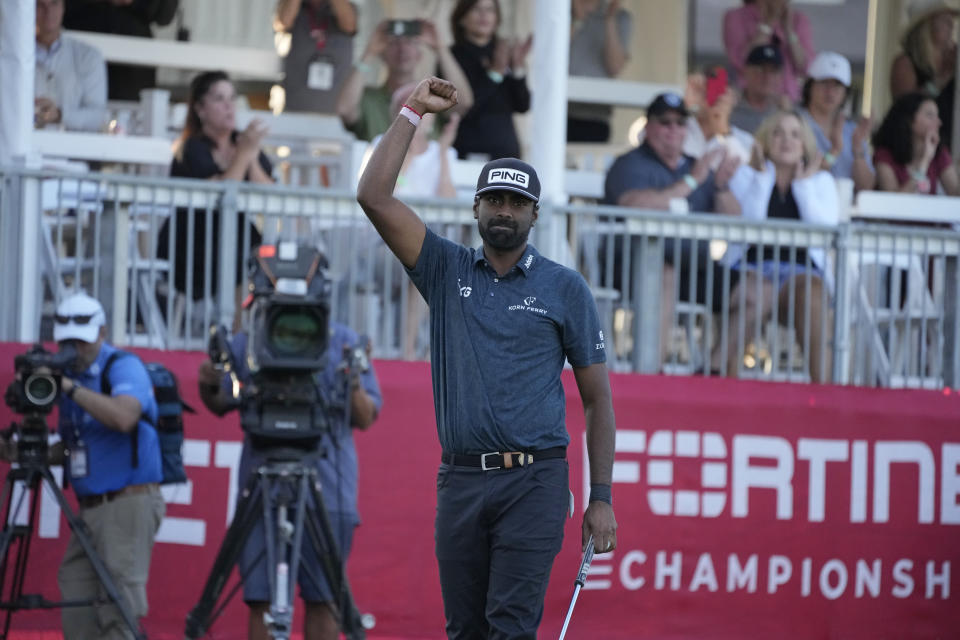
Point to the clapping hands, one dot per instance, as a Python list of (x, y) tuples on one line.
[(809, 167), (510, 54), (729, 163), (250, 139)]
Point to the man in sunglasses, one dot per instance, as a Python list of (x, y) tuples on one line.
[(111, 452), (655, 176)]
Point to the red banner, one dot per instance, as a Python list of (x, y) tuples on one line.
[(745, 509)]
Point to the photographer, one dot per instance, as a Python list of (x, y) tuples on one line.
[(112, 458), (336, 468)]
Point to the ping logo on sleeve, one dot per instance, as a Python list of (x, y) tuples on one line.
[(510, 176)]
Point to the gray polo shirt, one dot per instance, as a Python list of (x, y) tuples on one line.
[(498, 345), (640, 168)]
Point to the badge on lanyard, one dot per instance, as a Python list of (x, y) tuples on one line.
[(78, 460), (320, 74), (320, 70)]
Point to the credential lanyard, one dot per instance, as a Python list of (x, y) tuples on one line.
[(318, 29)]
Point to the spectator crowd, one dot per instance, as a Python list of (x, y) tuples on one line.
[(764, 136)]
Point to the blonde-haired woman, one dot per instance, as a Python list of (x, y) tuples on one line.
[(929, 55), (929, 59), (784, 181)]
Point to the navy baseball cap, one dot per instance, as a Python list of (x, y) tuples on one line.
[(509, 174), (765, 54), (667, 102)]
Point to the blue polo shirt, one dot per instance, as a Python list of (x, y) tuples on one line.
[(337, 468), (498, 345), (641, 168), (109, 454)]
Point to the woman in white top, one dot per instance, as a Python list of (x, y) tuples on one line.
[(426, 168), (784, 181)]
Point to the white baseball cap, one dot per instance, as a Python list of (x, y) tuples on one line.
[(78, 317), (830, 66)]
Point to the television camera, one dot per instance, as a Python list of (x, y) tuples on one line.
[(285, 414), (287, 336)]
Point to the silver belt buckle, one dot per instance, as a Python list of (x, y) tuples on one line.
[(483, 460)]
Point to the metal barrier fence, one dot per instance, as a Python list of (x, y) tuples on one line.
[(709, 294), (856, 304)]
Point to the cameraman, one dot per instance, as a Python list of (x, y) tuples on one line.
[(336, 468), (117, 491)]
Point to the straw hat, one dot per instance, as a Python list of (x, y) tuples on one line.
[(920, 11)]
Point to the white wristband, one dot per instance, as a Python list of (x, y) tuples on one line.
[(410, 115)]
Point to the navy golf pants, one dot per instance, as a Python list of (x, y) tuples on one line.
[(497, 534)]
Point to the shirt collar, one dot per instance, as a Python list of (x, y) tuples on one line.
[(44, 53), (93, 371), (646, 150), (530, 258)]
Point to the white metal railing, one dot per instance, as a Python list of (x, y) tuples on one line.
[(164, 257)]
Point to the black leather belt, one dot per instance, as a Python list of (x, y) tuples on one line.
[(502, 459), (88, 502)]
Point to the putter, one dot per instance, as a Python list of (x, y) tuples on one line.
[(581, 578)]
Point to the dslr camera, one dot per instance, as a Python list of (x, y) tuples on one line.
[(37, 383), (288, 330), (33, 394)]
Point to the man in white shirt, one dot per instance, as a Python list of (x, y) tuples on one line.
[(70, 79)]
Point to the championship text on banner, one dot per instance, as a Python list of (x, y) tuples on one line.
[(745, 510)]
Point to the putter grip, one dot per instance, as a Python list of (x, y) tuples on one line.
[(585, 564)]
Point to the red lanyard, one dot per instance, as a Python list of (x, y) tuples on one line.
[(318, 29)]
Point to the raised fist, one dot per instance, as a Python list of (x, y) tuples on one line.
[(433, 95)]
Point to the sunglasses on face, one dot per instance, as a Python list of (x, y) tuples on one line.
[(671, 122), (77, 319)]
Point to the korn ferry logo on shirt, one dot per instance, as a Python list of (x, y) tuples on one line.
[(529, 304)]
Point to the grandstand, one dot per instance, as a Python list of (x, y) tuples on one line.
[(752, 502)]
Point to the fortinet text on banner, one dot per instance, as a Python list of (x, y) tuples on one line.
[(730, 473), (757, 509)]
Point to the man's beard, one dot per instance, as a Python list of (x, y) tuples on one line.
[(506, 237)]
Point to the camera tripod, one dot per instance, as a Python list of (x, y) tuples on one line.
[(34, 475), (285, 482)]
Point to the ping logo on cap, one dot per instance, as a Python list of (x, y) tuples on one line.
[(510, 176)]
